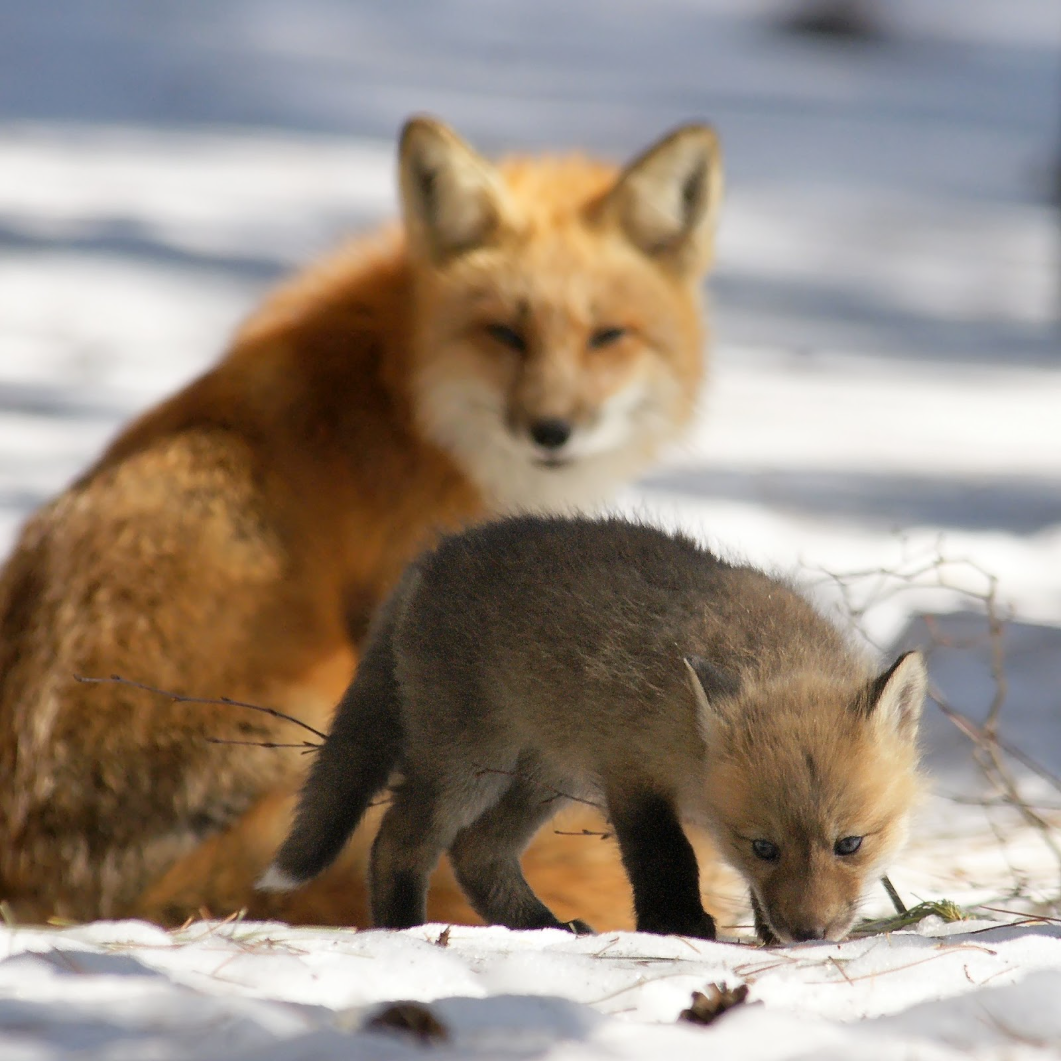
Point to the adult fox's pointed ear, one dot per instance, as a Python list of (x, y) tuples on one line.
[(897, 696), (451, 196), (666, 201), (709, 685)]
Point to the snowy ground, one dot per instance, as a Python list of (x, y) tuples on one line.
[(886, 390), (271, 993)]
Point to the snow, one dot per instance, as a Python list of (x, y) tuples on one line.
[(268, 991), (885, 393)]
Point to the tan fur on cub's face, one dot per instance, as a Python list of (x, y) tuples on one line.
[(809, 764)]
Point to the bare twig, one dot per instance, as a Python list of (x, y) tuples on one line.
[(900, 906), (177, 698), (995, 767), (1023, 917), (305, 745), (996, 801)]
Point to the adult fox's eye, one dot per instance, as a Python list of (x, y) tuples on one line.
[(848, 845), (767, 850), (605, 337), (507, 336)]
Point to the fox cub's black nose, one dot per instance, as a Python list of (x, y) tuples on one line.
[(550, 432), (808, 932)]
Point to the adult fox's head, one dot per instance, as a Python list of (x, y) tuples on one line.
[(810, 782), (558, 333)]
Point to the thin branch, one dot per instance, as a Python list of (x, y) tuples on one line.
[(988, 745), (975, 733), (997, 801), (305, 745), (177, 698), (900, 906), (1022, 915)]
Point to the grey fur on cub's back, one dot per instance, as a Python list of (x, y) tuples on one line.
[(603, 658), (535, 604)]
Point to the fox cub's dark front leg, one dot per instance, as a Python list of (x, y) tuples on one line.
[(661, 865)]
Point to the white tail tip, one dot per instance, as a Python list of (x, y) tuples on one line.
[(275, 879)]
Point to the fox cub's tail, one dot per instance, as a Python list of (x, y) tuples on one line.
[(352, 765)]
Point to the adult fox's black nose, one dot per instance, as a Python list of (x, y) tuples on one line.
[(550, 432)]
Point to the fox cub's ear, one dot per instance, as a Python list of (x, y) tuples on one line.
[(709, 685), (898, 695), (451, 196), (666, 201)]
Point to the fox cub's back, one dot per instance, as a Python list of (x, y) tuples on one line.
[(617, 601)]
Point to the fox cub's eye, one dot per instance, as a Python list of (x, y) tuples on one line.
[(848, 845), (766, 850), (605, 337), (507, 336)]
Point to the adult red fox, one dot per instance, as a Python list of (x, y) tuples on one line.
[(527, 339)]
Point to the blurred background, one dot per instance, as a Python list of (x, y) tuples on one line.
[(865, 167), (886, 381)]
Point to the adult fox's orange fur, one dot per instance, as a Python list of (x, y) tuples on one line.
[(528, 339)]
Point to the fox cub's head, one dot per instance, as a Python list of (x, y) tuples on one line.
[(559, 335), (809, 787)]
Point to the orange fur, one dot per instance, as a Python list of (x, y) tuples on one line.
[(234, 540), (576, 874), (802, 768)]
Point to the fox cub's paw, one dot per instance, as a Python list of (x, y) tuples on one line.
[(698, 927), (580, 928)]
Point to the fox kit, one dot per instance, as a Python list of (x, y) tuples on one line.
[(528, 338), (537, 658)]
